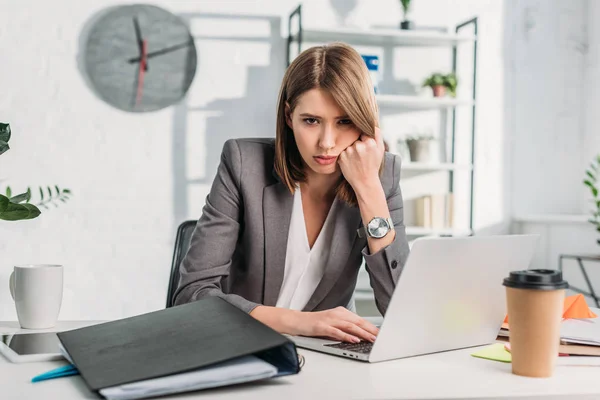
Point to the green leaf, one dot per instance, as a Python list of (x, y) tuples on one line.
[(21, 197), (66, 191), (16, 212), (33, 210), (592, 176), (41, 194), (405, 5), (3, 147), (49, 192), (8, 191), (3, 203), (57, 190), (595, 192), (587, 182), (4, 132)]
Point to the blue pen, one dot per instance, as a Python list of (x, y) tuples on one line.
[(67, 370)]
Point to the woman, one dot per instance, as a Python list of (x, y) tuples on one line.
[(283, 231)]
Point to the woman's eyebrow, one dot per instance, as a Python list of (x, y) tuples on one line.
[(316, 116)]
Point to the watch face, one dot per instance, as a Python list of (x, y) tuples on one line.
[(378, 227), (140, 58)]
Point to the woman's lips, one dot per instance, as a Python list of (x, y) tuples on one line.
[(325, 160)]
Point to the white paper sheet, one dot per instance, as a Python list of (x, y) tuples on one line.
[(245, 369)]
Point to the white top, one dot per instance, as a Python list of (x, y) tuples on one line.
[(304, 267)]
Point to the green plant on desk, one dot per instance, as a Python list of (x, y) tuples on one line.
[(592, 182), (18, 207)]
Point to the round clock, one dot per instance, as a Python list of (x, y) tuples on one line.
[(140, 58)]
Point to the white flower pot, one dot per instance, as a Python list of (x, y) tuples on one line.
[(420, 150)]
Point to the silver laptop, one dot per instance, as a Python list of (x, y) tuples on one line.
[(449, 296)]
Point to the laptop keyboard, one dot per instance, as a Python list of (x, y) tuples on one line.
[(362, 347)]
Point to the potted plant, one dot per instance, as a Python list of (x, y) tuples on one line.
[(419, 147), (15, 208), (406, 23), (442, 84), (591, 181)]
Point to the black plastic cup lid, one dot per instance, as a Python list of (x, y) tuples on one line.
[(537, 279)]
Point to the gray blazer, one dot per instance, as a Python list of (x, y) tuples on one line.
[(238, 247)]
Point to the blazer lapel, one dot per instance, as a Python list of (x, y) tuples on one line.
[(344, 234), (277, 212)]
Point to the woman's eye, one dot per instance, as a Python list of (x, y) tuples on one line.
[(345, 122), (310, 121)]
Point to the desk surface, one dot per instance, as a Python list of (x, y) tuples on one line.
[(449, 375)]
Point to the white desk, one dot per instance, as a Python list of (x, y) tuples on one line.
[(450, 375)]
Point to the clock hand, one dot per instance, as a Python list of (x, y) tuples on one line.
[(140, 41), (162, 51), (141, 72)]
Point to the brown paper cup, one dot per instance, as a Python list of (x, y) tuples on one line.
[(534, 318)]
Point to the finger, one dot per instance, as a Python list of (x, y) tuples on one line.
[(349, 317), (360, 147), (355, 330), (338, 334), (378, 137), (367, 326)]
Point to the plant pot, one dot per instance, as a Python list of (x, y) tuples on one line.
[(439, 90), (407, 25), (419, 150)]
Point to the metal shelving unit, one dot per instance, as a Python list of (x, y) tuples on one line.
[(404, 103)]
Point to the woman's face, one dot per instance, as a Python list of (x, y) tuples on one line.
[(322, 131)]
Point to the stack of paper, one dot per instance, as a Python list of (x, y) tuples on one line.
[(241, 370), (581, 331), (245, 369)]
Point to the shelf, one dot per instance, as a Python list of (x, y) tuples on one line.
[(420, 103), (398, 37), (553, 218), (421, 231), (416, 166)]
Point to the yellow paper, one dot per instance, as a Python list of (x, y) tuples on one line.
[(495, 352)]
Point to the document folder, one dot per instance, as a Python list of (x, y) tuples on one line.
[(177, 340)]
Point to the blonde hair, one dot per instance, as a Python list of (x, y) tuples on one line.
[(338, 69)]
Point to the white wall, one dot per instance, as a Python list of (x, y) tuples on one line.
[(136, 177), (554, 64)]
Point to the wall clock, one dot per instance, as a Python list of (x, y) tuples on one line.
[(140, 58)]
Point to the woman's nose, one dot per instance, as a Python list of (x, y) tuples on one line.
[(327, 139)]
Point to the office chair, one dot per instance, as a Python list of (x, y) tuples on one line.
[(182, 243)]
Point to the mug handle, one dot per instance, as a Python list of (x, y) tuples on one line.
[(11, 284)]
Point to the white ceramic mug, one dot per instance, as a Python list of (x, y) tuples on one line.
[(37, 291)]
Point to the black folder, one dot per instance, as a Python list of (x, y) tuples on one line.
[(172, 341)]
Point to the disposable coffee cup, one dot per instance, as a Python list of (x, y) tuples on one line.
[(535, 300)]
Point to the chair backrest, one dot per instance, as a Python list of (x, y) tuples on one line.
[(182, 244)]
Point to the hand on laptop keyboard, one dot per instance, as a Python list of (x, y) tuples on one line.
[(338, 323)]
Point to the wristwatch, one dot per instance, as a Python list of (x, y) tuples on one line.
[(377, 228)]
